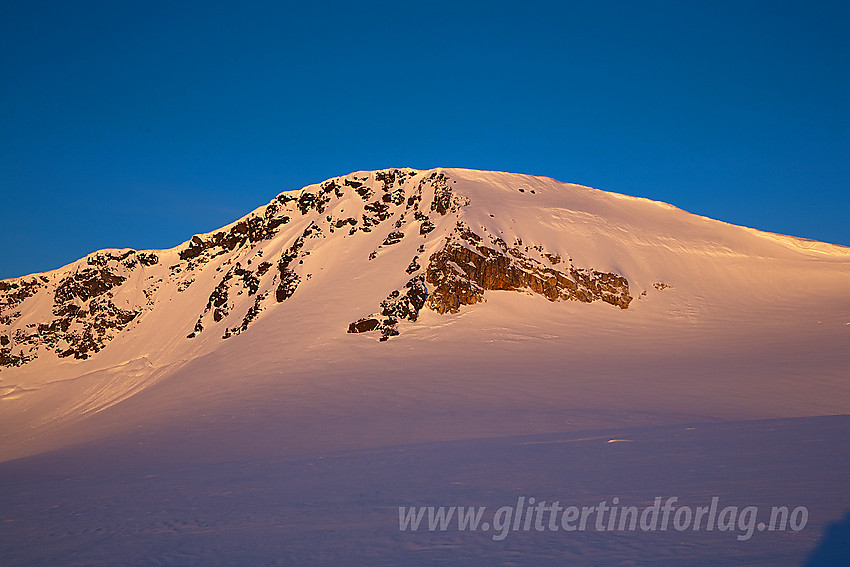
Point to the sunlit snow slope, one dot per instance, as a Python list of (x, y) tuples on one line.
[(403, 306)]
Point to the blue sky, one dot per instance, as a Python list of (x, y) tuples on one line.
[(138, 124)]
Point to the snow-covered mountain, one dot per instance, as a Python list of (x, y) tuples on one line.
[(261, 260), (273, 391), (443, 263)]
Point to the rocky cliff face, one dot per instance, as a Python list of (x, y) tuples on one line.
[(464, 267), (82, 317), (264, 259)]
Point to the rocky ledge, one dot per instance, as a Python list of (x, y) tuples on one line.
[(466, 266)]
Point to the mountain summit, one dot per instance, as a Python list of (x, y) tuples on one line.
[(451, 254), (443, 263)]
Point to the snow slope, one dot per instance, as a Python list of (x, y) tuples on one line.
[(718, 313), (535, 308)]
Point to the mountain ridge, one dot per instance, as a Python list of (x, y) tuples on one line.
[(98, 273), (798, 240), (458, 273), (454, 268)]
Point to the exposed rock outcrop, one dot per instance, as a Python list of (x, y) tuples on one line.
[(251, 230), (465, 267), (400, 304), (84, 316)]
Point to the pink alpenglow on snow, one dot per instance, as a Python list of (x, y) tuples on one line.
[(274, 391)]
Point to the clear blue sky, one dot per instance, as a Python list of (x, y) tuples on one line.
[(138, 124)]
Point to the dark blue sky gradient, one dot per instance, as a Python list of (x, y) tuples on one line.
[(130, 124)]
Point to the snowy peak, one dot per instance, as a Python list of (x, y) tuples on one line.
[(376, 248)]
